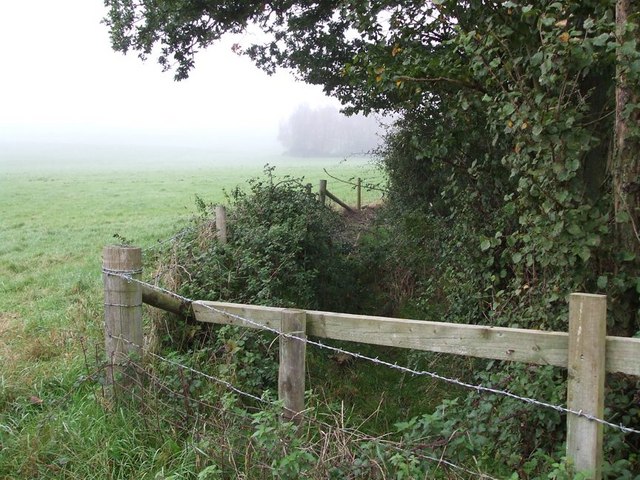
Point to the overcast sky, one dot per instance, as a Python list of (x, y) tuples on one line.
[(61, 82)]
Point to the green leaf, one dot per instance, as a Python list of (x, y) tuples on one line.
[(536, 58), (585, 254), (485, 244), (574, 229), (622, 217), (548, 21), (602, 281), (508, 109), (561, 195), (600, 40), (593, 240), (629, 48), (573, 164), (516, 257)]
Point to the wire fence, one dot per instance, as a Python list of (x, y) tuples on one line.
[(353, 434), (395, 366)]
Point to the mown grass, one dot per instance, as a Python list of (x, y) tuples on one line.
[(55, 219)]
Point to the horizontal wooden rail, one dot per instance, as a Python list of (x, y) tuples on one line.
[(585, 350), (323, 193), (157, 297), (499, 343), (338, 201)]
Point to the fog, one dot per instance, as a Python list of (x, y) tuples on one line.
[(64, 89)]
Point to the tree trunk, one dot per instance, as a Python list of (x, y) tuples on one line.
[(626, 156)]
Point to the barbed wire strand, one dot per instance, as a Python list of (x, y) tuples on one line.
[(359, 435), (230, 386), (453, 381), (367, 185), (173, 238)]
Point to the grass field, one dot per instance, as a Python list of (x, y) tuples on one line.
[(57, 211), (56, 217)]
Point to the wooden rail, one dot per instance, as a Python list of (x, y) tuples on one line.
[(499, 343), (585, 350), (323, 194)]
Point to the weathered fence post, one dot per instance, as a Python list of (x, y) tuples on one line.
[(122, 312), (292, 359), (586, 375), (359, 194), (322, 192), (221, 223)]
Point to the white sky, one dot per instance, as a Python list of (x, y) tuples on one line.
[(61, 82)]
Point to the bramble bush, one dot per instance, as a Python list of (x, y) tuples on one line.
[(282, 250)]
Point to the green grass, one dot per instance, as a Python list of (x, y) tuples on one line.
[(57, 213)]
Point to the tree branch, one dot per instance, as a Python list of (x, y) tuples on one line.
[(455, 81)]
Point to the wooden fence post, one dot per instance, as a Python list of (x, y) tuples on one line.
[(322, 192), (292, 359), (122, 312), (586, 375), (221, 223), (359, 194)]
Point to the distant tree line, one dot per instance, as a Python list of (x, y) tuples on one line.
[(325, 132)]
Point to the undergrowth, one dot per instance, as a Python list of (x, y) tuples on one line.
[(285, 249), (362, 420)]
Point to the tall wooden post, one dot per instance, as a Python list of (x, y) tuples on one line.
[(122, 311), (359, 194), (292, 359), (586, 372), (322, 192), (221, 223)]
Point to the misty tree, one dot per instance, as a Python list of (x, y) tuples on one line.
[(327, 132)]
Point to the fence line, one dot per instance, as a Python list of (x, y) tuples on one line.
[(368, 186), (584, 357), (323, 193), (173, 238), (221, 220), (375, 360), (242, 393)]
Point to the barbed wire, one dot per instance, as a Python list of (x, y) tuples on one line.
[(355, 433), (181, 233), (360, 436), (366, 185), (453, 381), (240, 392)]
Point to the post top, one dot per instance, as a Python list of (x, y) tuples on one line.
[(587, 295), (121, 258)]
